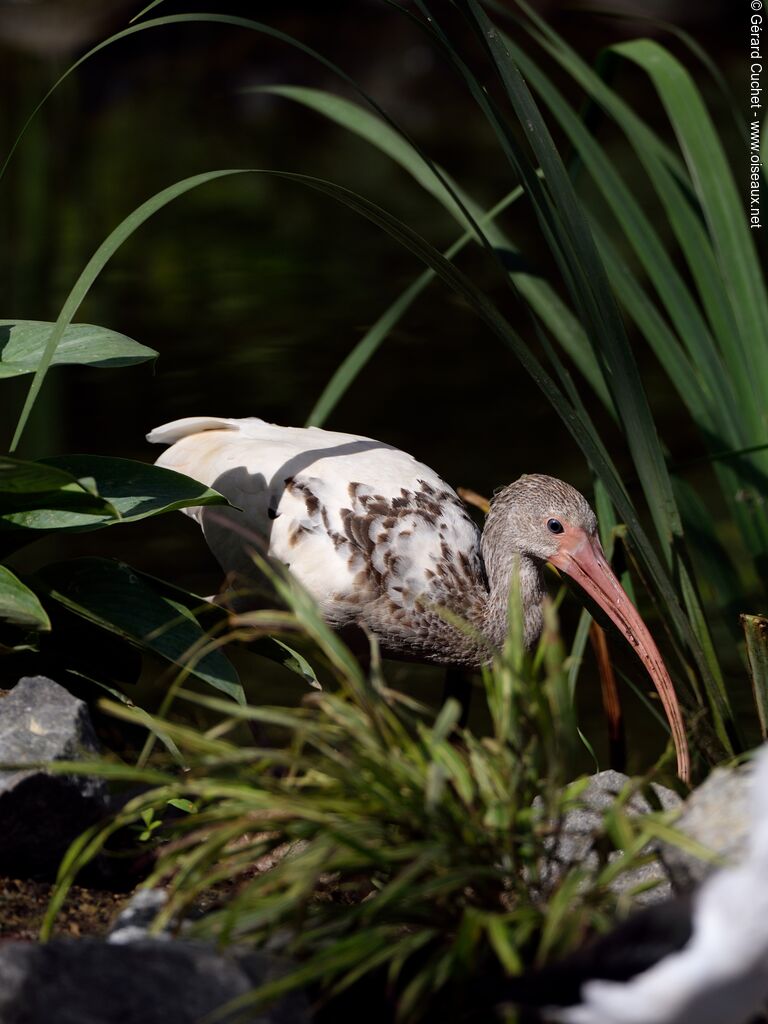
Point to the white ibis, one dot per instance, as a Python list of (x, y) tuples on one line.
[(380, 541)]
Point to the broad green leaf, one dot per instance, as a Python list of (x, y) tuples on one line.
[(136, 490), (129, 604), (31, 488), (19, 605), (22, 345)]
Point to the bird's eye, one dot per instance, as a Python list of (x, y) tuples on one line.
[(555, 526)]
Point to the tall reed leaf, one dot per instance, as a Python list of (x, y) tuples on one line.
[(721, 204), (92, 270)]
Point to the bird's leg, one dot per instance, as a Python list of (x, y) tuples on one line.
[(458, 685)]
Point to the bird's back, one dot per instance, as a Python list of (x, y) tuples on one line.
[(369, 531)]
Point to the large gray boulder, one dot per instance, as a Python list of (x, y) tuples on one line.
[(41, 813), (717, 815), (88, 981)]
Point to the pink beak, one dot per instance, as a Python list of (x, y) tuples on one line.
[(582, 558)]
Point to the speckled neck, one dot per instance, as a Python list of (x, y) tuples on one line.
[(501, 566)]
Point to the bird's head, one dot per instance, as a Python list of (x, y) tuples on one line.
[(542, 516), (545, 519)]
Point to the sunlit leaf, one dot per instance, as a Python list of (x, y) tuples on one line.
[(22, 346), (19, 605)]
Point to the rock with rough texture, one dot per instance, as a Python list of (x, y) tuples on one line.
[(88, 981), (136, 918), (575, 843), (40, 813), (716, 815)]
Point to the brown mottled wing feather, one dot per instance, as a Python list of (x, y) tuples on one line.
[(375, 536)]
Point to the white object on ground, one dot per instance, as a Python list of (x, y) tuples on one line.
[(721, 975)]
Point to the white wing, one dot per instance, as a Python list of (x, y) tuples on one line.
[(355, 519)]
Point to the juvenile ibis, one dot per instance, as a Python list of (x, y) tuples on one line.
[(380, 541)]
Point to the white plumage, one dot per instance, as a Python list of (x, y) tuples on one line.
[(297, 486)]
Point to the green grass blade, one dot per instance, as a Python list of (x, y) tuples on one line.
[(542, 298), (566, 230), (351, 366), (745, 415), (756, 635), (92, 270), (176, 19), (388, 140), (575, 420), (600, 307), (146, 10), (713, 182), (668, 174), (694, 379), (648, 247)]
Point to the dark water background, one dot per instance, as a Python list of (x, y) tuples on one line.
[(253, 290)]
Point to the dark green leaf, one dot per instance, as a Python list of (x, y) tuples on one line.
[(94, 491), (132, 606), (136, 490), (276, 650), (31, 488)]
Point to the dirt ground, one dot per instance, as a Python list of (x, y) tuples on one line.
[(86, 911)]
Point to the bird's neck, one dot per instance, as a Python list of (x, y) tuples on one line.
[(502, 567)]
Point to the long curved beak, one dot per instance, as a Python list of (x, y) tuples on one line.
[(582, 558)]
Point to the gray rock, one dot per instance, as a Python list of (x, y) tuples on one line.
[(135, 919), (40, 813), (575, 844), (717, 815), (88, 981)]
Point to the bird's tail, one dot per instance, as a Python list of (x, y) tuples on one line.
[(169, 433)]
